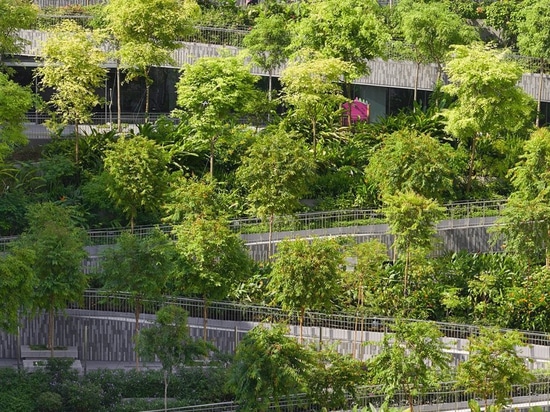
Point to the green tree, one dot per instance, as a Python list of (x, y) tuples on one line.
[(267, 43), (216, 259), (146, 32), (525, 220), (412, 219), (139, 266), (370, 256), (412, 360), (493, 366), (333, 379), (489, 103), (407, 160), (312, 88), (58, 246), (306, 275), (214, 92), (275, 174), (15, 101), (431, 28), (267, 366), (17, 282), (192, 198), (14, 15), (168, 339), (71, 66), (137, 174), (534, 38), (352, 31), (503, 16)]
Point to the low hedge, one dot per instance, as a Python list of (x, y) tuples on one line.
[(107, 390)]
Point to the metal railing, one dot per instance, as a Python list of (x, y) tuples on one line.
[(223, 36), (446, 398), (64, 3), (122, 303), (101, 118), (463, 214)]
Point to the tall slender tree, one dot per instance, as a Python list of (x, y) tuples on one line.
[(141, 267), (145, 33), (488, 102), (214, 93), (431, 28), (412, 360), (412, 219), (267, 43), (306, 275), (313, 89), (275, 174), (58, 246), (137, 175), (534, 39), (72, 60), (14, 15)]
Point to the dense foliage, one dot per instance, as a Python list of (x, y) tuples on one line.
[(473, 139), (59, 388)]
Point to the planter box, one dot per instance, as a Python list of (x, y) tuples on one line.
[(28, 353)]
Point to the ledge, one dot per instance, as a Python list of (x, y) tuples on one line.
[(28, 353)]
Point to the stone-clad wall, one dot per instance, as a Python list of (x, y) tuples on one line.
[(110, 335)]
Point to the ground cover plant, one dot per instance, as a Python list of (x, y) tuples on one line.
[(57, 387)]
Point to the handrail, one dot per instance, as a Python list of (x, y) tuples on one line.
[(462, 213), (121, 302), (447, 398), (233, 36)]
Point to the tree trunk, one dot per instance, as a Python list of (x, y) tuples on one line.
[(406, 274), (148, 83), (302, 316), (269, 93), (165, 390), (314, 133), (539, 97), (118, 108), (137, 312), (415, 93), (205, 320), (76, 137), (51, 320), (270, 238), (471, 166), (212, 145), (411, 403)]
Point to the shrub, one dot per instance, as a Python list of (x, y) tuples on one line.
[(49, 402)]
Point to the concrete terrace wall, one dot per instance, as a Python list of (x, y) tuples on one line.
[(390, 73), (110, 337), (452, 236), (472, 235)]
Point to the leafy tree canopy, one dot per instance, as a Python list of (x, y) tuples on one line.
[(14, 15), (407, 160), (72, 61), (15, 101), (350, 30), (137, 174)]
